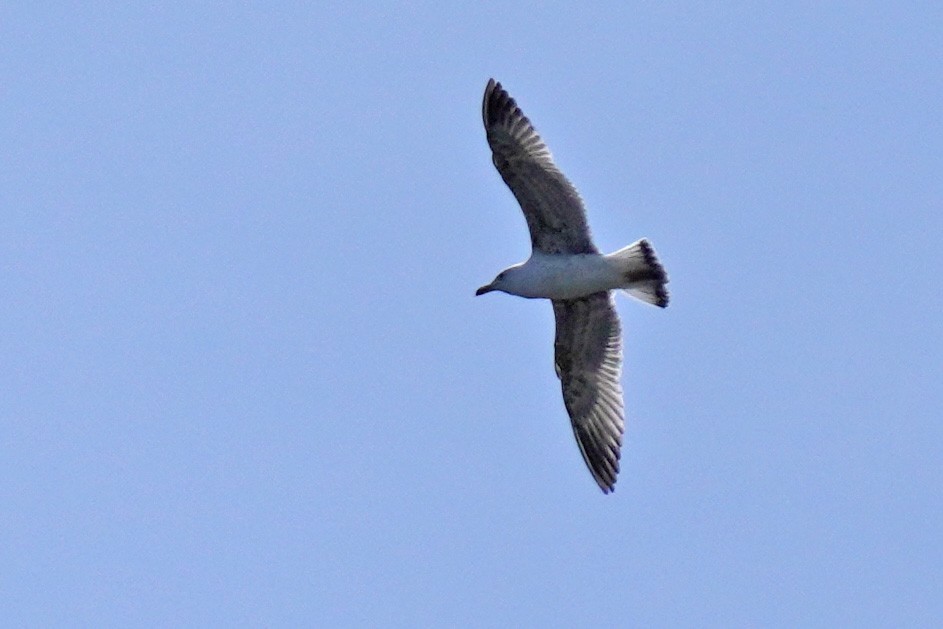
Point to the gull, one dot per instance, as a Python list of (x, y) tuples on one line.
[(567, 268)]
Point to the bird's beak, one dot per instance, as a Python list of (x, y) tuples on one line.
[(484, 289)]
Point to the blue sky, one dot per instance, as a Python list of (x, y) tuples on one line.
[(245, 381)]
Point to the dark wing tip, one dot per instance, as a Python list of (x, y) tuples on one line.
[(489, 89), (606, 474), (495, 102), (498, 106), (601, 458)]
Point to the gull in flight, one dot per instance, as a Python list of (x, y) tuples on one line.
[(567, 268)]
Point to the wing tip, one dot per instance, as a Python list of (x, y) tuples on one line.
[(495, 101), (606, 483), (489, 89), (499, 108), (601, 459), (486, 100)]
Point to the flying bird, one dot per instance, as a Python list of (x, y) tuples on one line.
[(567, 268)]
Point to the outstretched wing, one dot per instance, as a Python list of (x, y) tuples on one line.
[(588, 356), (552, 206)]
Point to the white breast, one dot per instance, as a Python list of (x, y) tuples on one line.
[(567, 276)]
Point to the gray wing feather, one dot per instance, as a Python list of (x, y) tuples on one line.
[(552, 206), (588, 357)]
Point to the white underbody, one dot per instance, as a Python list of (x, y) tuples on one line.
[(564, 276), (634, 269)]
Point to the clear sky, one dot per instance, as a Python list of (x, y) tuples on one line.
[(244, 379)]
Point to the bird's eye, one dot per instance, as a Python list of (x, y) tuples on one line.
[(500, 276)]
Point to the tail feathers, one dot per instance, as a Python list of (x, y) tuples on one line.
[(645, 278)]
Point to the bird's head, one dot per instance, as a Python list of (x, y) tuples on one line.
[(506, 281)]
